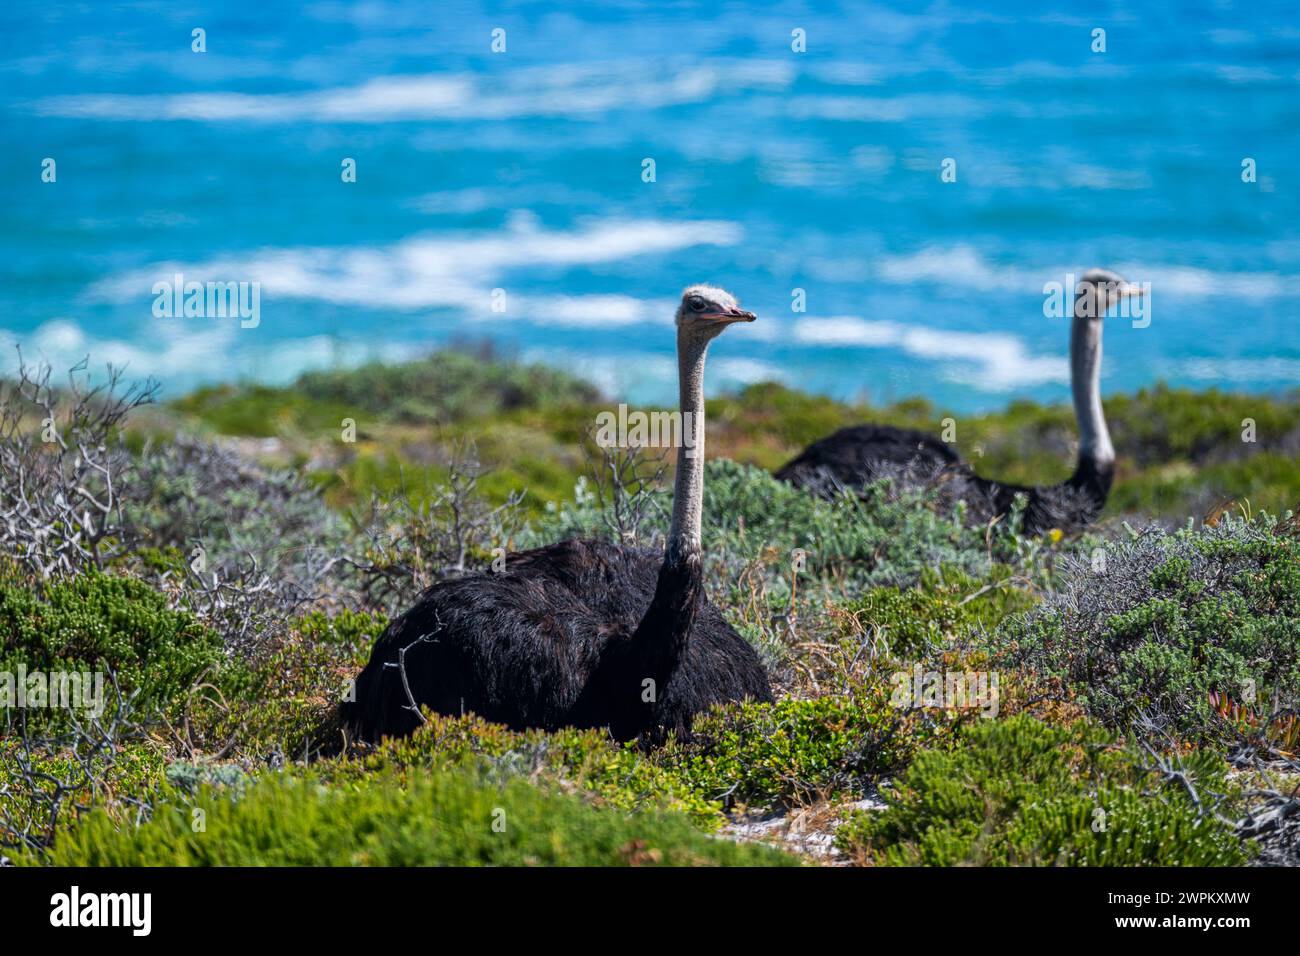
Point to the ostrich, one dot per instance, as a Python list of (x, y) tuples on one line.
[(582, 633), (854, 455)]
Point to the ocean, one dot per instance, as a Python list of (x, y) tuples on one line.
[(912, 178)]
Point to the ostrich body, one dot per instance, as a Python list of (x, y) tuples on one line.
[(852, 456), (581, 633)]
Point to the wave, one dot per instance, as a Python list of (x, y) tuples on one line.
[(651, 377), (963, 267), (990, 361), (567, 90), (180, 356), (893, 109), (458, 270), (588, 311), (62, 344), (1241, 371)]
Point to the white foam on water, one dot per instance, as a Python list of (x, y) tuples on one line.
[(962, 266), (560, 90), (988, 360), (452, 270), (180, 355), (62, 343), (655, 374)]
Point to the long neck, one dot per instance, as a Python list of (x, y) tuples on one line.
[(1096, 454), (688, 489), (660, 638)]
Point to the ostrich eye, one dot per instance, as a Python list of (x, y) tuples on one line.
[(696, 303)]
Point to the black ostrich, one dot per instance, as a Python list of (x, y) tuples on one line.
[(581, 633), (852, 456)]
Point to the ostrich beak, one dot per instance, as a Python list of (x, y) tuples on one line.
[(1127, 290), (729, 316)]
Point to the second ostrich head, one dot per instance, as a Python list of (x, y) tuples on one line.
[(1096, 292)]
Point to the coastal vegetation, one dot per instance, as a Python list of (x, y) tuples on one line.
[(258, 540)]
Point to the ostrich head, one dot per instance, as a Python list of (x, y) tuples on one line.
[(706, 310), (1098, 290)]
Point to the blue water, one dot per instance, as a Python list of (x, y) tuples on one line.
[(522, 171)]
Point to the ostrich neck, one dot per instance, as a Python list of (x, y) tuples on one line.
[(1095, 448), (688, 489), (659, 643)]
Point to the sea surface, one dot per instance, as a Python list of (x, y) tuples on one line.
[(501, 196)]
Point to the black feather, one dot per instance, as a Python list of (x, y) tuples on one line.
[(565, 635)]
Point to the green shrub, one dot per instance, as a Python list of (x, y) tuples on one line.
[(279, 699), (259, 411), (883, 538), (912, 622), (445, 386), (447, 819), (285, 698), (41, 800), (1169, 621), (768, 754), (1022, 792), (1161, 424), (984, 602), (758, 755), (99, 622), (1267, 479), (614, 774)]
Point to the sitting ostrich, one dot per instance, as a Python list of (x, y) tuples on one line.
[(582, 633), (852, 456)]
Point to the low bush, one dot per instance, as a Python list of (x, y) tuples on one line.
[(887, 537), (44, 791), (444, 819), (114, 627), (611, 773), (911, 622), (105, 625), (1167, 626), (188, 494), (1020, 792), (752, 755), (763, 755), (448, 385), (284, 700)]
